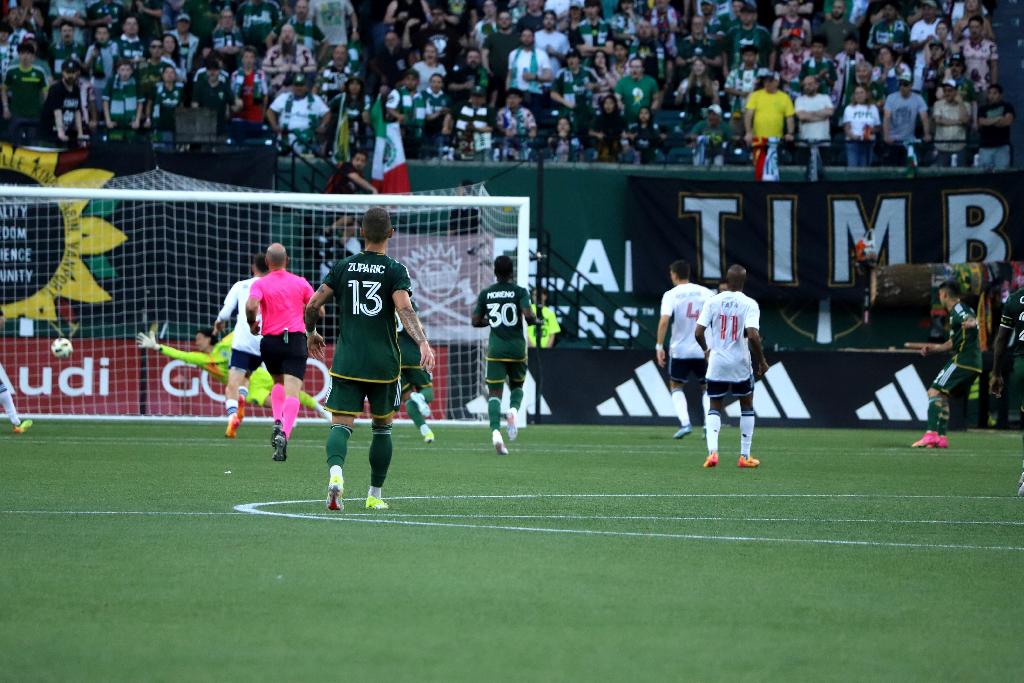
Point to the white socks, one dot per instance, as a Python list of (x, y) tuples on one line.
[(706, 402), (375, 492), (336, 470), (231, 406), (496, 436), (746, 432), (714, 425), (424, 429), (682, 410), (7, 401)]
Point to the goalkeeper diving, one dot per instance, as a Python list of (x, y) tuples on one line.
[(214, 358)]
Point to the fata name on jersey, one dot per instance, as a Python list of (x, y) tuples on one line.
[(373, 268), (501, 294)]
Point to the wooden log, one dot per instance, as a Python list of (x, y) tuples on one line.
[(901, 286)]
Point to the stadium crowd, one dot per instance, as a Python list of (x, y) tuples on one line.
[(683, 81)]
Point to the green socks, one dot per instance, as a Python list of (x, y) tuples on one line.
[(516, 399), (943, 422), (494, 412), (337, 445), (380, 455), (933, 413)]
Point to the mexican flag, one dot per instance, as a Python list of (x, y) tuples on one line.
[(390, 174)]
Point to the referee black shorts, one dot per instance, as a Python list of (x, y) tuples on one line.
[(285, 358)]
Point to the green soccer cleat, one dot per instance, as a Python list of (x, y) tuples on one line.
[(23, 427), (374, 503)]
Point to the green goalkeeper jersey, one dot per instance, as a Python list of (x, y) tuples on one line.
[(1013, 320), (502, 305), (966, 348), (367, 345), (215, 362)]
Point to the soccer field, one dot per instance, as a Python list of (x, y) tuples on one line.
[(165, 552)]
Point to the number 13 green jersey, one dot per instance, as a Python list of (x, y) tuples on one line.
[(367, 345), (501, 306)]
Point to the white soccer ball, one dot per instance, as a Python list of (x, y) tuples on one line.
[(61, 347)]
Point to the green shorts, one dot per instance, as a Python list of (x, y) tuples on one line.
[(347, 395), (1017, 380), (415, 377), (952, 377), (499, 370)]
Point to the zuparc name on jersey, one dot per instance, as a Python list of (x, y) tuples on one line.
[(797, 239)]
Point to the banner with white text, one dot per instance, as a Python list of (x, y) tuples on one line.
[(797, 240)]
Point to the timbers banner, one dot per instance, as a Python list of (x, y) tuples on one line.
[(797, 240)]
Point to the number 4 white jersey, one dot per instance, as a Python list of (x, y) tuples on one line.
[(234, 303), (684, 304), (725, 317)]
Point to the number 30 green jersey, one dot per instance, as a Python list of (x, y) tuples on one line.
[(501, 305), (367, 345)]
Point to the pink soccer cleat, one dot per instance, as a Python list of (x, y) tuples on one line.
[(943, 442), (929, 440)]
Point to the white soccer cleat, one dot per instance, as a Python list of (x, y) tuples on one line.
[(335, 491), (510, 424), (499, 444), (1020, 486), (421, 403)]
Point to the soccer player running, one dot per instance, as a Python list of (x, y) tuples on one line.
[(727, 330), (7, 401), (417, 384), (504, 306), (280, 298), (959, 371), (1011, 324), (370, 288), (245, 347), (214, 357), (682, 304)]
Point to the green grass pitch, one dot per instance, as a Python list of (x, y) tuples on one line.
[(588, 554)]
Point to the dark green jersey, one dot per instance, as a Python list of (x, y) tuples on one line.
[(367, 345), (502, 305), (966, 349), (101, 9), (1013, 320), (165, 105), (25, 88)]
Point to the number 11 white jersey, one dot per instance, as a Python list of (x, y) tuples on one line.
[(725, 317)]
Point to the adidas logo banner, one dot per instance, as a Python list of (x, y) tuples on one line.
[(800, 389)]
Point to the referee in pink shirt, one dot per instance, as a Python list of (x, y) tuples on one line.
[(280, 298)]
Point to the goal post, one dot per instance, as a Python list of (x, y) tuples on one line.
[(158, 253)]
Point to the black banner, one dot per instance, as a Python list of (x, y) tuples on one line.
[(797, 239), (872, 390)]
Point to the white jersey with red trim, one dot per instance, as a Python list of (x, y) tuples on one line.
[(726, 317), (684, 303)]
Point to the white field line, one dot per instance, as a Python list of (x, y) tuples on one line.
[(255, 508)]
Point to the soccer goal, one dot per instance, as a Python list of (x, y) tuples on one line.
[(157, 252)]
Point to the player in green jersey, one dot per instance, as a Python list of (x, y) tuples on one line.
[(1011, 326), (214, 357), (503, 307), (958, 373), (370, 289), (417, 384)]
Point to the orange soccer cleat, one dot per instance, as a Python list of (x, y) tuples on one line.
[(711, 460), (233, 422), (747, 461)]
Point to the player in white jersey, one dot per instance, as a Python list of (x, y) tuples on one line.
[(245, 346), (682, 304), (7, 401), (728, 329)]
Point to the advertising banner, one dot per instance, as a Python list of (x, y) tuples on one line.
[(797, 240)]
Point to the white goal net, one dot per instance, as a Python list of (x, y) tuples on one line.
[(158, 252)]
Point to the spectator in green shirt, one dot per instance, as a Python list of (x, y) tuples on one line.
[(637, 90), (163, 104), (123, 103), (106, 13), (258, 19), (23, 92), (214, 93), (67, 49)]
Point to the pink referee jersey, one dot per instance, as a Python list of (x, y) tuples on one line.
[(283, 297)]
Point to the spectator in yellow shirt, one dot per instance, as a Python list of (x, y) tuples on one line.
[(768, 110), (549, 327)]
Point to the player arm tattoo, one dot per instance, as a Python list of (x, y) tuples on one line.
[(411, 323), (313, 307)]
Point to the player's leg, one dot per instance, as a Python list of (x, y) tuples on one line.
[(7, 401), (236, 376), (516, 380), (745, 392), (1017, 389), (384, 400), (293, 367), (936, 401), (495, 383), (252, 363), (344, 402), (413, 395), (271, 351), (307, 401), (713, 423), (677, 376)]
